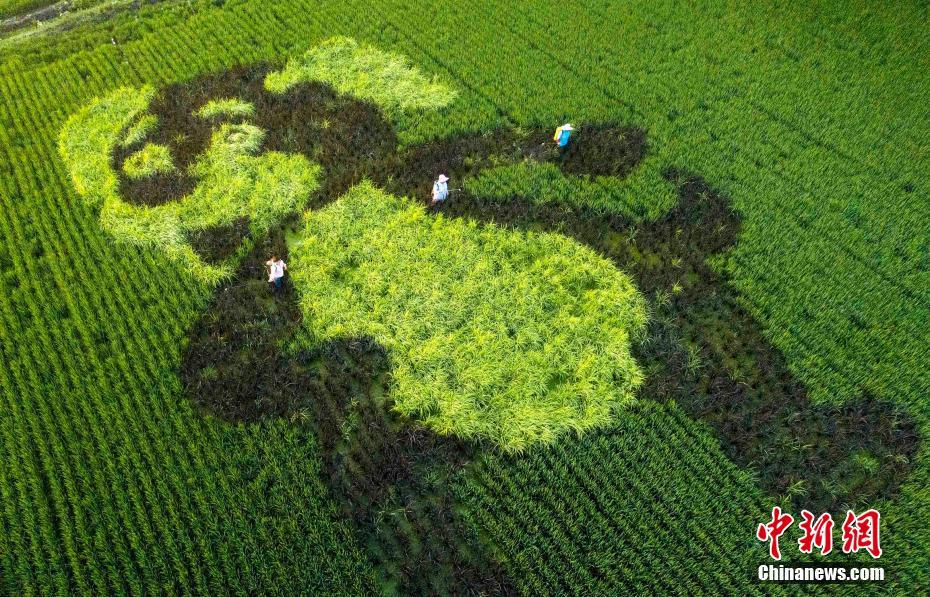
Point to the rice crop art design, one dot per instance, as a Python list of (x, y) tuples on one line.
[(405, 362)]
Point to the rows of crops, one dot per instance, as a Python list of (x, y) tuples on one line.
[(112, 482), (570, 517)]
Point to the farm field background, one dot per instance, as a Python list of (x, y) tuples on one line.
[(43, 10), (9, 8), (812, 118)]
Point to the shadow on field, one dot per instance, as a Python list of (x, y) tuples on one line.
[(392, 476)]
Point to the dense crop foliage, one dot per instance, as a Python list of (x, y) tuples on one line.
[(151, 159), (545, 183), (25, 19), (112, 483), (494, 335), (139, 130), (228, 107), (587, 516), (14, 7), (10, 8)]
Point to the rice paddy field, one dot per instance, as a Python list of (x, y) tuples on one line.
[(591, 370)]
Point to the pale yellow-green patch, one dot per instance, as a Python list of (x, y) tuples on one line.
[(151, 159), (139, 130), (493, 334), (233, 182), (384, 78), (228, 107), (88, 137)]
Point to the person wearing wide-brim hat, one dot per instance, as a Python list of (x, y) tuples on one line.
[(440, 189), (562, 134)]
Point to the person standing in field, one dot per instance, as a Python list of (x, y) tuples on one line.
[(276, 268), (440, 189), (562, 135)]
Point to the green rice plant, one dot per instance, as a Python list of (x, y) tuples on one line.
[(510, 337), (233, 182), (607, 498), (641, 196), (151, 159), (230, 107), (9, 8), (385, 78)]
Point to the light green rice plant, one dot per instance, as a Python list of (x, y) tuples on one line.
[(384, 78), (228, 107), (151, 159), (498, 335), (139, 130), (88, 138)]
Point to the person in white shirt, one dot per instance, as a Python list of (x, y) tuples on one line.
[(276, 268), (440, 189)]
